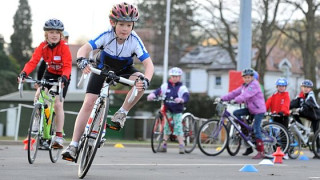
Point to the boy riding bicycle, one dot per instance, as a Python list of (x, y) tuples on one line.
[(119, 45), (250, 93), (57, 56), (306, 105), (176, 91)]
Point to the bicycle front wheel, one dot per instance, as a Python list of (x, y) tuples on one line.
[(212, 137), (295, 146), (190, 133), (34, 134), (275, 135), (234, 142), (53, 153), (157, 133), (316, 144), (93, 140)]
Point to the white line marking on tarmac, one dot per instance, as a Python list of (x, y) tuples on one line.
[(176, 164)]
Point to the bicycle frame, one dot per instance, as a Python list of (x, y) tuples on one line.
[(297, 127)]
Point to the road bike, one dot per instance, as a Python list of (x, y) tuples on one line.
[(301, 137), (42, 129), (214, 136), (93, 136), (188, 126)]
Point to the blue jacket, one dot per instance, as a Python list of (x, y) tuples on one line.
[(251, 95), (172, 91)]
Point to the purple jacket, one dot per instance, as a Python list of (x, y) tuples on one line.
[(251, 95)]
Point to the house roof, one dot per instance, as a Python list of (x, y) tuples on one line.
[(217, 58)]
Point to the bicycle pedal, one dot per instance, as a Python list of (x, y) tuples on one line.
[(115, 128), (68, 159)]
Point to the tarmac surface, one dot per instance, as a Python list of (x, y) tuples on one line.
[(138, 162)]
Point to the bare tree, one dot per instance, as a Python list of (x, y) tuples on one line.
[(304, 33)]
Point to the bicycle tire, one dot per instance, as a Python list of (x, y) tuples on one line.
[(190, 133), (207, 143), (316, 144), (90, 146), (295, 146), (34, 136), (234, 143), (280, 138), (54, 154), (157, 133)]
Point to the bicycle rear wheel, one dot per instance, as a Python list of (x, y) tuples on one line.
[(157, 133), (92, 141), (190, 133), (53, 153), (212, 137), (295, 146), (275, 135), (34, 134), (234, 142), (316, 144)]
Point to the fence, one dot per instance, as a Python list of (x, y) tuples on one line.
[(15, 113)]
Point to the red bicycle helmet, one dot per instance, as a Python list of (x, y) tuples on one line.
[(124, 12)]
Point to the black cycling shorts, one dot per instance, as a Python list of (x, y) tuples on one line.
[(95, 82), (49, 76)]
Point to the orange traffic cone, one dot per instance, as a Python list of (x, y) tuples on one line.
[(278, 156), (25, 142)]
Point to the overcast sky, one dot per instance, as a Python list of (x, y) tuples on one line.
[(81, 18)]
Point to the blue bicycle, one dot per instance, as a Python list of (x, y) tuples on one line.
[(215, 136)]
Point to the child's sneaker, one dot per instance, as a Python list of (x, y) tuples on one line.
[(119, 118), (181, 149), (163, 148), (57, 142), (70, 153)]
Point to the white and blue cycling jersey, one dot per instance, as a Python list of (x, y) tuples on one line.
[(118, 56)]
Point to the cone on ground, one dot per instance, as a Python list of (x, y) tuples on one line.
[(248, 168), (304, 157), (118, 145), (25, 142), (266, 162), (278, 156)]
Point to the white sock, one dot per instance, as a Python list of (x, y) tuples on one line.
[(123, 110), (75, 144)]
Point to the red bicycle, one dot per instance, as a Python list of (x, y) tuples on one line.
[(188, 125)]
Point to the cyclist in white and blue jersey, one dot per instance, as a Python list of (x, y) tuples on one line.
[(119, 44)]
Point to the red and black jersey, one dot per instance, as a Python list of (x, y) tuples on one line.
[(58, 59), (279, 102)]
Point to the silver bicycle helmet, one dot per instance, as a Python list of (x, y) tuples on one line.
[(53, 24)]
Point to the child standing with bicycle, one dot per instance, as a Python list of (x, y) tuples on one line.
[(57, 56), (306, 105), (119, 44), (250, 93), (279, 103), (175, 91)]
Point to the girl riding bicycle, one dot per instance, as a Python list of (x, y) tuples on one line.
[(57, 56), (176, 91), (250, 93), (119, 44)]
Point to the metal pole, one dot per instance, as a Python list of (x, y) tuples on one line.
[(166, 44), (245, 36), (17, 123)]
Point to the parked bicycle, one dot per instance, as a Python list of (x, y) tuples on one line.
[(214, 136), (188, 126), (42, 127), (93, 136), (301, 137)]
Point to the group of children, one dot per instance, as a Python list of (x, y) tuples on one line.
[(279, 103)]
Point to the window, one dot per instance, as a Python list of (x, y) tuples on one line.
[(187, 79), (218, 80)]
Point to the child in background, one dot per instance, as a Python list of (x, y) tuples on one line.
[(176, 91)]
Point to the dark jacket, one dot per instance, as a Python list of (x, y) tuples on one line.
[(308, 105)]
